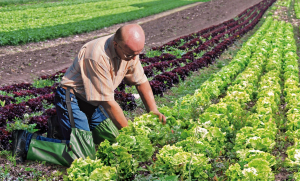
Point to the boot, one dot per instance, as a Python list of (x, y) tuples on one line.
[(18, 145)]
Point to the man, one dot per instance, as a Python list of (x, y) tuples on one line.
[(96, 72)]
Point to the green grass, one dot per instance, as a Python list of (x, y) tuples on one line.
[(40, 21)]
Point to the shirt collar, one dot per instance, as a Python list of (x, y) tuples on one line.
[(112, 48)]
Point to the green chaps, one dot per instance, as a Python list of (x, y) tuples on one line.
[(82, 145)]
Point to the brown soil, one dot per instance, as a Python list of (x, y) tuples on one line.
[(27, 62)]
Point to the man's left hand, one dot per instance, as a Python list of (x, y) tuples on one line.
[(147, 97), (161, 117)]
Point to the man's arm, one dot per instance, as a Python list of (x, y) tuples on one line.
[(115, 113), (147, 97)]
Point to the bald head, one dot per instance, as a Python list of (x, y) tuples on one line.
[(131, 37)]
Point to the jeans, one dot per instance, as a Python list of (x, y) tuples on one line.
[(86, 116)]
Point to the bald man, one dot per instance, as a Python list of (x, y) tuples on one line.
[(96, 72)]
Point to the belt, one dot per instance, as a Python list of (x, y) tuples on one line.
[(71, 89), (82, 99), (76, 94)]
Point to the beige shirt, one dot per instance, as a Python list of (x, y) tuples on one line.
[(97, 71)]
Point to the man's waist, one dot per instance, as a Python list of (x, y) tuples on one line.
[(77, 95), (66, 88)]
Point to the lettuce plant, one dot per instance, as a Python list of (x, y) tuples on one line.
[(117, 156), (87, 169), (139, 146), (256, 169), (172, 160)]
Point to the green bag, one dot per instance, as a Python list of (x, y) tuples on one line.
[(106, 130), (81, 145)]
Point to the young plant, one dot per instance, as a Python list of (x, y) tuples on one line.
[(40, 83), (20, 125)]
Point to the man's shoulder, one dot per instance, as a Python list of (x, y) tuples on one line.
[(97, 48), (97, 42)]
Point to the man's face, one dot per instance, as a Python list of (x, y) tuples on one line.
[(124, 52)]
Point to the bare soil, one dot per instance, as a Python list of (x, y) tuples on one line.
[(26, 62)]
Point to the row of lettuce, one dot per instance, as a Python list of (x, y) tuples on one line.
[(255, 141), (292, 100), (201, 49), (191, 141)]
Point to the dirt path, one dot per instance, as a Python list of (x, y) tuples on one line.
[(24, 63)]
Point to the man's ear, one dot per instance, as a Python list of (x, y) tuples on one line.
[(115, 44)]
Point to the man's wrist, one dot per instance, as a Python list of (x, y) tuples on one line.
[(154, 110)]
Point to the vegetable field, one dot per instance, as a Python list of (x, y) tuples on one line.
[(242, 123)]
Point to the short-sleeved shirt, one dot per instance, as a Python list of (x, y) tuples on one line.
[(97, 71)]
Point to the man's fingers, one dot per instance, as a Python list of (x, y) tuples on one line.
[(162, 118)]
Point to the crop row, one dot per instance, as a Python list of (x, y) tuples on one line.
[(205, 33), (187, 145), (255, 141), (228, 114), (292, 100)]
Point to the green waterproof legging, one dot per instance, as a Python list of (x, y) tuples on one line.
[(82, 145)]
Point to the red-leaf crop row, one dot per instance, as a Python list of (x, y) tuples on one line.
[(12, 111), (19, 90), (195, 40)]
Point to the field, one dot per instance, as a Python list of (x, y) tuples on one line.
[(229, 88)]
